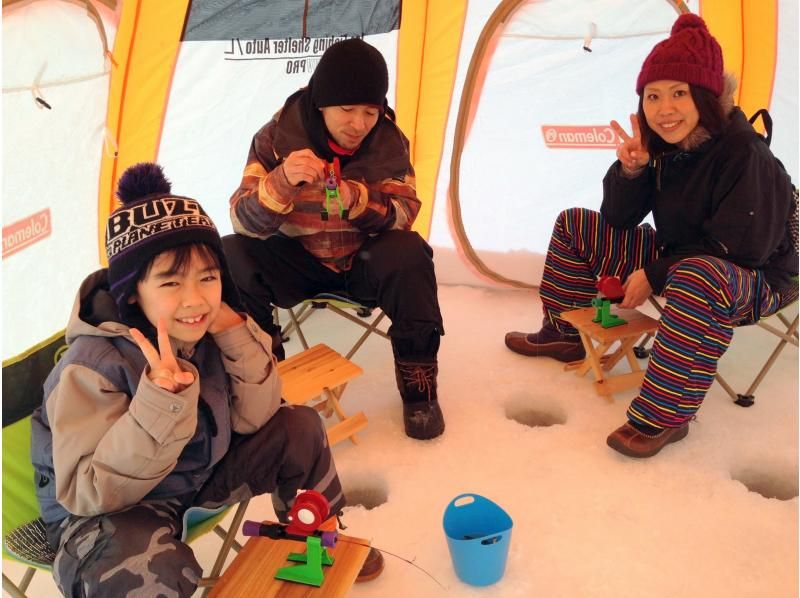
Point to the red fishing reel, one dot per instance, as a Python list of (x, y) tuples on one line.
[(310, 509), (610, 287)]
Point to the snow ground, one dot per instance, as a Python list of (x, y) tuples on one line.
[(587, 521)]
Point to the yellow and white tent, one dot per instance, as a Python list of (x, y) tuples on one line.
[(506, 105)]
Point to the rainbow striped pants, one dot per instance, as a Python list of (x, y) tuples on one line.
[(706, 297)]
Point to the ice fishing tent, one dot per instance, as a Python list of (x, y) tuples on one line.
[(91, 87)]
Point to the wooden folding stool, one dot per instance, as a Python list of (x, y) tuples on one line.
[(321, 373), (598, 342)]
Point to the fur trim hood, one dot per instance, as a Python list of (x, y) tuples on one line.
[(700, 135)]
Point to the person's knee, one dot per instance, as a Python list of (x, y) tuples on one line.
[(154, 559), (568, 221), (572, 214), (172, 565), (397, 251), (302, 423), (703, 278), (698, 273), (237, 256)]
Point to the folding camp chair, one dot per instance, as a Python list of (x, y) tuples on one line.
[(778, 324), (337, 303), (24, 537)]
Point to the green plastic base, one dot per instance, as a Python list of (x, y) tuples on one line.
[(310, 572), (300, 557), (604, 316)]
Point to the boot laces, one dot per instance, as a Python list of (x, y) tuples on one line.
[(418, 374)]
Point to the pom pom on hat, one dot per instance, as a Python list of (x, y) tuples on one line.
[(689, 54), (141, 180), (687, 21)]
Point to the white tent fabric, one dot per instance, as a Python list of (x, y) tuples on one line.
[(221, 95), (513, 181), (785, 93), (51, 163)]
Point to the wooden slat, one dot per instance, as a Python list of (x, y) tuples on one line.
[(306, 374), (618, 383), (347, 428), (252, 573), (637, 324)]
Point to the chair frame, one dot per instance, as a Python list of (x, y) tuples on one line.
[(47, 348), (789, 335), (337, 306), (207, 582)]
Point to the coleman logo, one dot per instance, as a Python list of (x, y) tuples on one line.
[(580, 137), (21, 234)]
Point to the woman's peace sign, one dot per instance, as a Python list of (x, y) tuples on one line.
[(164, 368), (631, 152)]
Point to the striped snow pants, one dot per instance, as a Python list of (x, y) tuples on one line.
[(706, 297)]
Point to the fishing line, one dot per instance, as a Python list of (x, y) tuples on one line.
[(397, 556)]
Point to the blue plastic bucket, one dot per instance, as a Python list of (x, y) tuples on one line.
[(478, 534)]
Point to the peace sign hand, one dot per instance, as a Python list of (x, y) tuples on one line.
[(631, 153), (164, 369)]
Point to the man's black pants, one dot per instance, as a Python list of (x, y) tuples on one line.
[(393, 270)]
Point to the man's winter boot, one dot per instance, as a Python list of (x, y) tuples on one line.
[(416, 380), (548, 342)]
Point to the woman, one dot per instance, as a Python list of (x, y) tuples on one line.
[(721, 253)]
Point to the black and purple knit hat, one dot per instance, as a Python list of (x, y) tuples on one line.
[(150, 221)]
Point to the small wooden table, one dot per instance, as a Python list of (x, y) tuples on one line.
[(252, 573), (320, 372), (598, 358)]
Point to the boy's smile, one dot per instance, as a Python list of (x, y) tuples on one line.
[(187, 299)]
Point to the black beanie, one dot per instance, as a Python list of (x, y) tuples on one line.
[(150, 221), (350, 72)]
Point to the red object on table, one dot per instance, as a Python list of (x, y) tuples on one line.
[(610, 287)]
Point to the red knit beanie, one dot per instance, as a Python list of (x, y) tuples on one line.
[(689, 54)]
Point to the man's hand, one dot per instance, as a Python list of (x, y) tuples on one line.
[(164, 368), (631, 152), (637, 289), (226, 318), (303, 166)]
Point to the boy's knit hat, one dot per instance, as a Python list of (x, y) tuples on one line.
[(151, 221), (350, 72), (689, 54)]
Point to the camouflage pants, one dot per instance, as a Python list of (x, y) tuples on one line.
[(137, 552)]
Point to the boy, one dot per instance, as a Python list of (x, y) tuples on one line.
[(129, 436)]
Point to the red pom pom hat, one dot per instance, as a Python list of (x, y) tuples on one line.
[(689, 54)]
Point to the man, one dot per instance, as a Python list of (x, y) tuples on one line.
[(294, 241)]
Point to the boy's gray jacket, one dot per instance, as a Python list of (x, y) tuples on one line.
[(106, 437)]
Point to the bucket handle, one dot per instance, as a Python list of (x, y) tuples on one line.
[(462, 500), (492, 540)]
